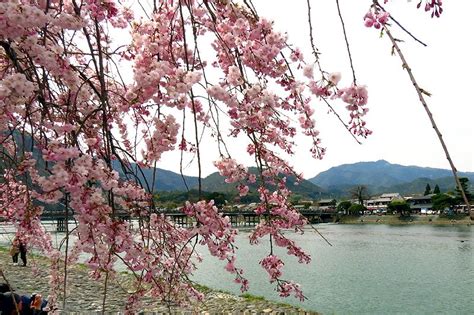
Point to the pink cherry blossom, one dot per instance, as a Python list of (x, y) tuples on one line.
[(334, 77), (376, 18), (308, 71), (272, 264)]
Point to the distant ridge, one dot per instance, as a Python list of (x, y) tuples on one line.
[(164, 180), (382, 175), (379, 176), (216, 183)]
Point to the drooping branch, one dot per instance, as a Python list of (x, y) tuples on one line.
[(421, 95)]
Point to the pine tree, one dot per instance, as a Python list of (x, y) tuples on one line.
[(436, 190), (465, 186), (427, 190)]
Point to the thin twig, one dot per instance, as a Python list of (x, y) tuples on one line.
[(66, 250), (311, 38), (347, 42), (377, 4), (322, 236), (340, 119), (104, 294), (198, 151)]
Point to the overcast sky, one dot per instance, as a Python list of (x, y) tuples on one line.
[(402, 133)]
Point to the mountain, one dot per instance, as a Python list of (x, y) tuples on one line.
[(379, 177), (305, 188), (164, 180), (382, 176)]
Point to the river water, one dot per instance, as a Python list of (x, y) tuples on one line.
[(370, 269)]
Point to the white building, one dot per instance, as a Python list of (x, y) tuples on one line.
[(381, 202)]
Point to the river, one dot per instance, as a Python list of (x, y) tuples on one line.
[(370, 269)]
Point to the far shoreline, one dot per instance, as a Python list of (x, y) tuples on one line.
[(407, 220)]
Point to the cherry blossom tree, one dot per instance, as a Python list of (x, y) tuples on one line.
[(79, 109)]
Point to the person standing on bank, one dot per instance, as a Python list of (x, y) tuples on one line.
[(15, 250), (18, 248), (23, 253)]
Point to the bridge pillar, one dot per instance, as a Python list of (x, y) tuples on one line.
[(60, 225), (251, 220), (234, 220), (181, 220)]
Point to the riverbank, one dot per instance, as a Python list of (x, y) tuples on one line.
[(412, 219), (84, 294)]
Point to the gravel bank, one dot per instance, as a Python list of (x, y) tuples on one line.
[(84, 296), (410, 220)]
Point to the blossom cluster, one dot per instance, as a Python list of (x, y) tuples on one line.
[(231, 170), (356, 98), (435, 6), (163, 138), (285, 288), (217, 234), (15, 91), (272, 264), (376, 19)]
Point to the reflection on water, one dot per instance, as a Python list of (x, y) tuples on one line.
[(370, 269)]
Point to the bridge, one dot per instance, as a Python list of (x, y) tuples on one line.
[(239, 218)]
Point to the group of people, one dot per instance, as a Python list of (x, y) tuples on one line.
[(18, 248), (13, 303)]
